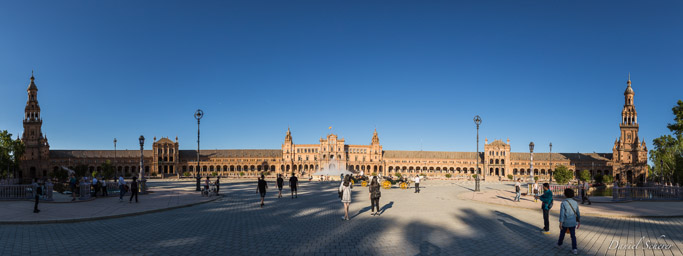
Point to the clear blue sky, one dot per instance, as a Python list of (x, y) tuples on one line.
[(418, 71)]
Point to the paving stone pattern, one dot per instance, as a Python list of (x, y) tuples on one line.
[(433, 222)]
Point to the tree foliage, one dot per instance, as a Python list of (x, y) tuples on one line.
[(585, 175), (11, 152), (667, 154), (562, 174), (108, 171)]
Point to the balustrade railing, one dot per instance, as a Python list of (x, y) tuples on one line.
[(647, 193), (28, 191)]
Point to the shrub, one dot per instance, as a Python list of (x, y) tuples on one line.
[(214, 174), (585, 175), (474, 176), (186, 174), (374, 174), (241, 173), (607, 179), (398, 174), (510, 177), (535, 178), (562, 174), (448, 175)]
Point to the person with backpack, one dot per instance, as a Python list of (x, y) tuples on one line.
[(133, 190), (570, 219), (280, 181), (122, 188), (546, 205), (37, 193), (103, 184), (293, 186), (261, 187), (518, 188), (345, 189), (375, 194)]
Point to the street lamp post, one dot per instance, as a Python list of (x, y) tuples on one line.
[(142, 165), (477, 121), (116, 169), (531, 163), (198, 115), (551, 163)]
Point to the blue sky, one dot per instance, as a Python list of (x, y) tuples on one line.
[(418, 71)]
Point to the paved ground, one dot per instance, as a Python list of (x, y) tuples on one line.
[(503, 194), (434, 222), (164, 195)]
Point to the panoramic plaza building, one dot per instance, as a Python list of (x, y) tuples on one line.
[(627, 162)]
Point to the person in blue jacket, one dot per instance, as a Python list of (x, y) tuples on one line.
[(546, 204), (570, 218)]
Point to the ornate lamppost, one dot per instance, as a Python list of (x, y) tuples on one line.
[(142, 166), (116, 169), (477, 121), (531, 163), (551, 163), (198, 115)]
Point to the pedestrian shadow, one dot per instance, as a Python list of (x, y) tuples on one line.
[(361, 211), (505, 198), (514, 224), (465, 187), (385, 207), (427, 248)]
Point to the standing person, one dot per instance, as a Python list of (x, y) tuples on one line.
[(218, 184), (345, 188), (547, 203), (38, 191), (133, 190), (72, 186), (536, 194), (261, 188), (104, 187), (375, 194), (518, 188), (417, 183), (95, 186), (584, 193), (341, 176), (280, 182), (122, 188), (293, 185), (570, 218), (206, 185)]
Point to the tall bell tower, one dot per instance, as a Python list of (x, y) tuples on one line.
[(629, 154), (35, 160)]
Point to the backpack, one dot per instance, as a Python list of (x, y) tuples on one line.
[(516, 188)]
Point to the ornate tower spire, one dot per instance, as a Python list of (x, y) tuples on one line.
[(629, 156), (375, 138)]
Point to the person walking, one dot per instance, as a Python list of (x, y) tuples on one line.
[(417, 183), (584, 193), (95, 186), (518, 188), (37, 193), (72, 186), (133, 190), (122, 188), (535, 188), (218, 184), (280, 182), (570, 219), (345, 189), (375, 194), (293, 186), (261, 188), (103, 183), (547, 203)]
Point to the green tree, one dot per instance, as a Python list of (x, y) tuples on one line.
[(510, 177), (585, 175), (607, 179), (667, 153), (107, 170), (11, 152), (562, 174), (448, 175), (398, 174)]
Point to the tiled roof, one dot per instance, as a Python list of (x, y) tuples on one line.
[(232, 153), (56, 154), (429, 154), (563, 156)]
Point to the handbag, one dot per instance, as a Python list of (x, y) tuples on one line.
[(577, 216)]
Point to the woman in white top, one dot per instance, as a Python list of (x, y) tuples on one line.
[(345, 189)]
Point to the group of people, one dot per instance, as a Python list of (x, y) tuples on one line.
[(262, 186)]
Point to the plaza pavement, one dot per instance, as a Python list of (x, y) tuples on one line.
[(434, 222), (503, 194), (163, 196)]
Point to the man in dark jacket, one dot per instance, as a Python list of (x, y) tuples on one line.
[(546, 199)]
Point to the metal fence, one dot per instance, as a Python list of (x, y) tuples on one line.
[(23, 192), (9, 181), (647, 193)]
